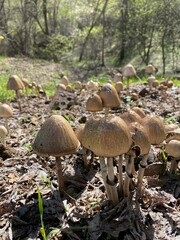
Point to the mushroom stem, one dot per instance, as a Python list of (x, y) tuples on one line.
[(92, 157), (84, 157), (104, 176), (129, 168), (113, 189), (106, 111), (59, 174), (120, 175), (174, 165), (142, 167), (6, 125), (18, 100)]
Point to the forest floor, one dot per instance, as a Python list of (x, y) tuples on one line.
[(84, 212)]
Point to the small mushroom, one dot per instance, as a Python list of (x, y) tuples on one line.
[(78, 85), (6, 112), (139, 111), (128, 72), (15, 83), (130, 116), (56, 138), (65, 80), (109, 96), (150, 81), (94, 103), (150, 69), (173, 149), (173, 135), (118, 77), (119, 87), (3, 133)]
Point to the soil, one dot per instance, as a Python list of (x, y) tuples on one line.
[(83, 212)]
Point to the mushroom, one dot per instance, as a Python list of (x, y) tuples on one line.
[(109, 96), (107, 138), (150, 81), (142, 144), (94, 103), (173, 135), (92, 86), (69, 88), (134, 96), (6, 112), (173, 149), (128, 72), (56, 138), (61, 87), (65, 80), (130, 116), (139, 111), (15, 83), (118, 77), (155, 84), (119, 87), (149, 69), (3, 133), (155, 129), (78, 85)]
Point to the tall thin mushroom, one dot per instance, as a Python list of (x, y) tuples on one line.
[(56, 138)]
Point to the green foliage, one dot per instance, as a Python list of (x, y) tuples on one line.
[(40, 206), (56, 48)]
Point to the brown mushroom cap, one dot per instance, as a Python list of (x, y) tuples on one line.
[(3, 131), (107, 137), (174, 134), (94, 103), (109, 96), (5, 111), (173, 148), (155, 84), (79, 131), (118, 77), (140, 137), (25, 82), (170, 84), (139, 111), (155, 129), (149, 69), (151, 79), (61, 87), (119, 86), (65, 80), (130, 117), (56, 138), (14, 83), (78, 85), (129, 71)]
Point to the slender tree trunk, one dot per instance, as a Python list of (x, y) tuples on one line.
[(45, 17), (163, 51)]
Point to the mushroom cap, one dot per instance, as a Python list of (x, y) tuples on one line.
[(155, 84), (130, 117), (151, 79), (65, 80), (139, 111), (155, 129), (174, 134), (129, 71), (108, 137), (140, 138), (69, 88), (134, 96), (25, 82), (61, 87), (14, 83), (173, 148), (78, 85), (94, 103), (79, 131), (109, 96), (3, 131), (92, 86), (118, 77), (56, 138), (118, 86), (149, 69), (170, 84), (5, 111)]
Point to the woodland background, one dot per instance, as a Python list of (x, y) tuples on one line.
[(93, 32)]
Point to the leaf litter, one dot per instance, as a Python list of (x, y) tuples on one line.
[(84, 212)]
